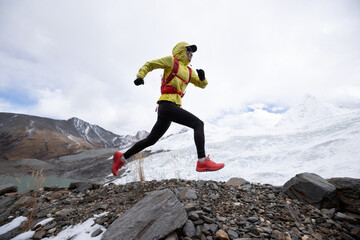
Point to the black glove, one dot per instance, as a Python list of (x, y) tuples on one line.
[(201, 74), (139, 81)]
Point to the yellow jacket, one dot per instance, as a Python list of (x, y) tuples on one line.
[(167, 64)]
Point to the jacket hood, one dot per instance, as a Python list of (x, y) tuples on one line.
[(179, 51)]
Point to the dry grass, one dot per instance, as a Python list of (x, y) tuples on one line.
[(39, 180), (140, 161)]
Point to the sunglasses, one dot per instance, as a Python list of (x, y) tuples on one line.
[(189, 49)]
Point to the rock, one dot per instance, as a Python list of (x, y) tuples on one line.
[(348, 193), (222, 235), (82, 186), (237, 182), (187, 193), (96, 233), (345, 218), (245, 212), (189, 229), (39, 234), (271, 196), (157, 215), (24, 201), (189, 207), (232, 234), (311, 188), (253, 219), (7, 188), (172, 236)]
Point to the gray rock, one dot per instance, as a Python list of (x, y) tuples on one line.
[(172, 236), (189, 207), (82, 186), (348, 193), (346, 218), (7, 188), (253, 219), (237, 182), (187, 193), (157, 215), (96, 233), (271, 196), (189, 229), (232, 234), (311, 188)]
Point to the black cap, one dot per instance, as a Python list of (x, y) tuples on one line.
[(191, 48)]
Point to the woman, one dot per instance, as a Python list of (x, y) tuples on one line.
[(177, 75)]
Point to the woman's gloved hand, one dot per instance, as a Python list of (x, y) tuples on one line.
[(201, 74), (139, 81)]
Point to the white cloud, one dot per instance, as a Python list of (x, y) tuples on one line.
[(79, 58)]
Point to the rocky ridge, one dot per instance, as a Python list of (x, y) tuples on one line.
[(235, 209), (24, 136)]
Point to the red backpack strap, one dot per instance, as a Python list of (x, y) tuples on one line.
[(174, 71), (190, 71)]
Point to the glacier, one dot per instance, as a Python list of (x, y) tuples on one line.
[(310, 137)]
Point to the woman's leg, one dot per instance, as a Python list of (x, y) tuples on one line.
[(176, 114), (156, 133)]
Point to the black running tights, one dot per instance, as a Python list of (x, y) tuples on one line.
[(169, 112)]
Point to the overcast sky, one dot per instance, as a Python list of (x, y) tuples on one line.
[(73, 58)]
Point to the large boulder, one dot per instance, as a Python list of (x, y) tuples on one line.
[(311, 188), (348, 193), (157, 215)]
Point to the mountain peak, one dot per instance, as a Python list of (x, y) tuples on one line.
[(43, 138), (308, 111)]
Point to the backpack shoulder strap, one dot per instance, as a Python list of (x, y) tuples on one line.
[(174, 71)]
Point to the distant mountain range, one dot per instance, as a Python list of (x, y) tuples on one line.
[(24, 136)]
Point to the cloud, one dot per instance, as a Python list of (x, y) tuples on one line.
[(79, 58)]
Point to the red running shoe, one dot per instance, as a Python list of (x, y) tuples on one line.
[(117, 163), (208, 165)]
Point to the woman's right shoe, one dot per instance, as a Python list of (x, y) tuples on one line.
[(208, 165), (117, 163)]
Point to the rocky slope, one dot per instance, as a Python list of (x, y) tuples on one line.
[(236, 209), (24, 136)]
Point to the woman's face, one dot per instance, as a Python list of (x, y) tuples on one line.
[(189, 55)]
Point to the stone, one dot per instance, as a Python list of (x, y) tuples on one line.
[(253, 219), (194, 216), (39, 234), (7, 188), (345, 218), (232, 234), (24, 201), (187, 193), (222, 235), (172, 236), (347, 193), (237, 182), (189, 207), (189, 229), (157, 215), (82, 186), (271, 196), (311, 188), (96, 233)]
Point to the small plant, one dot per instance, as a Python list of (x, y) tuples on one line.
[(39, 180), (140, 160)]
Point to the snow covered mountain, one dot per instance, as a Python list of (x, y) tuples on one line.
[(24, 136), (311, 137), (309, 111)]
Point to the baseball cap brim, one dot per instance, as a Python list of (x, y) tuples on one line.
[(191, 48)]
